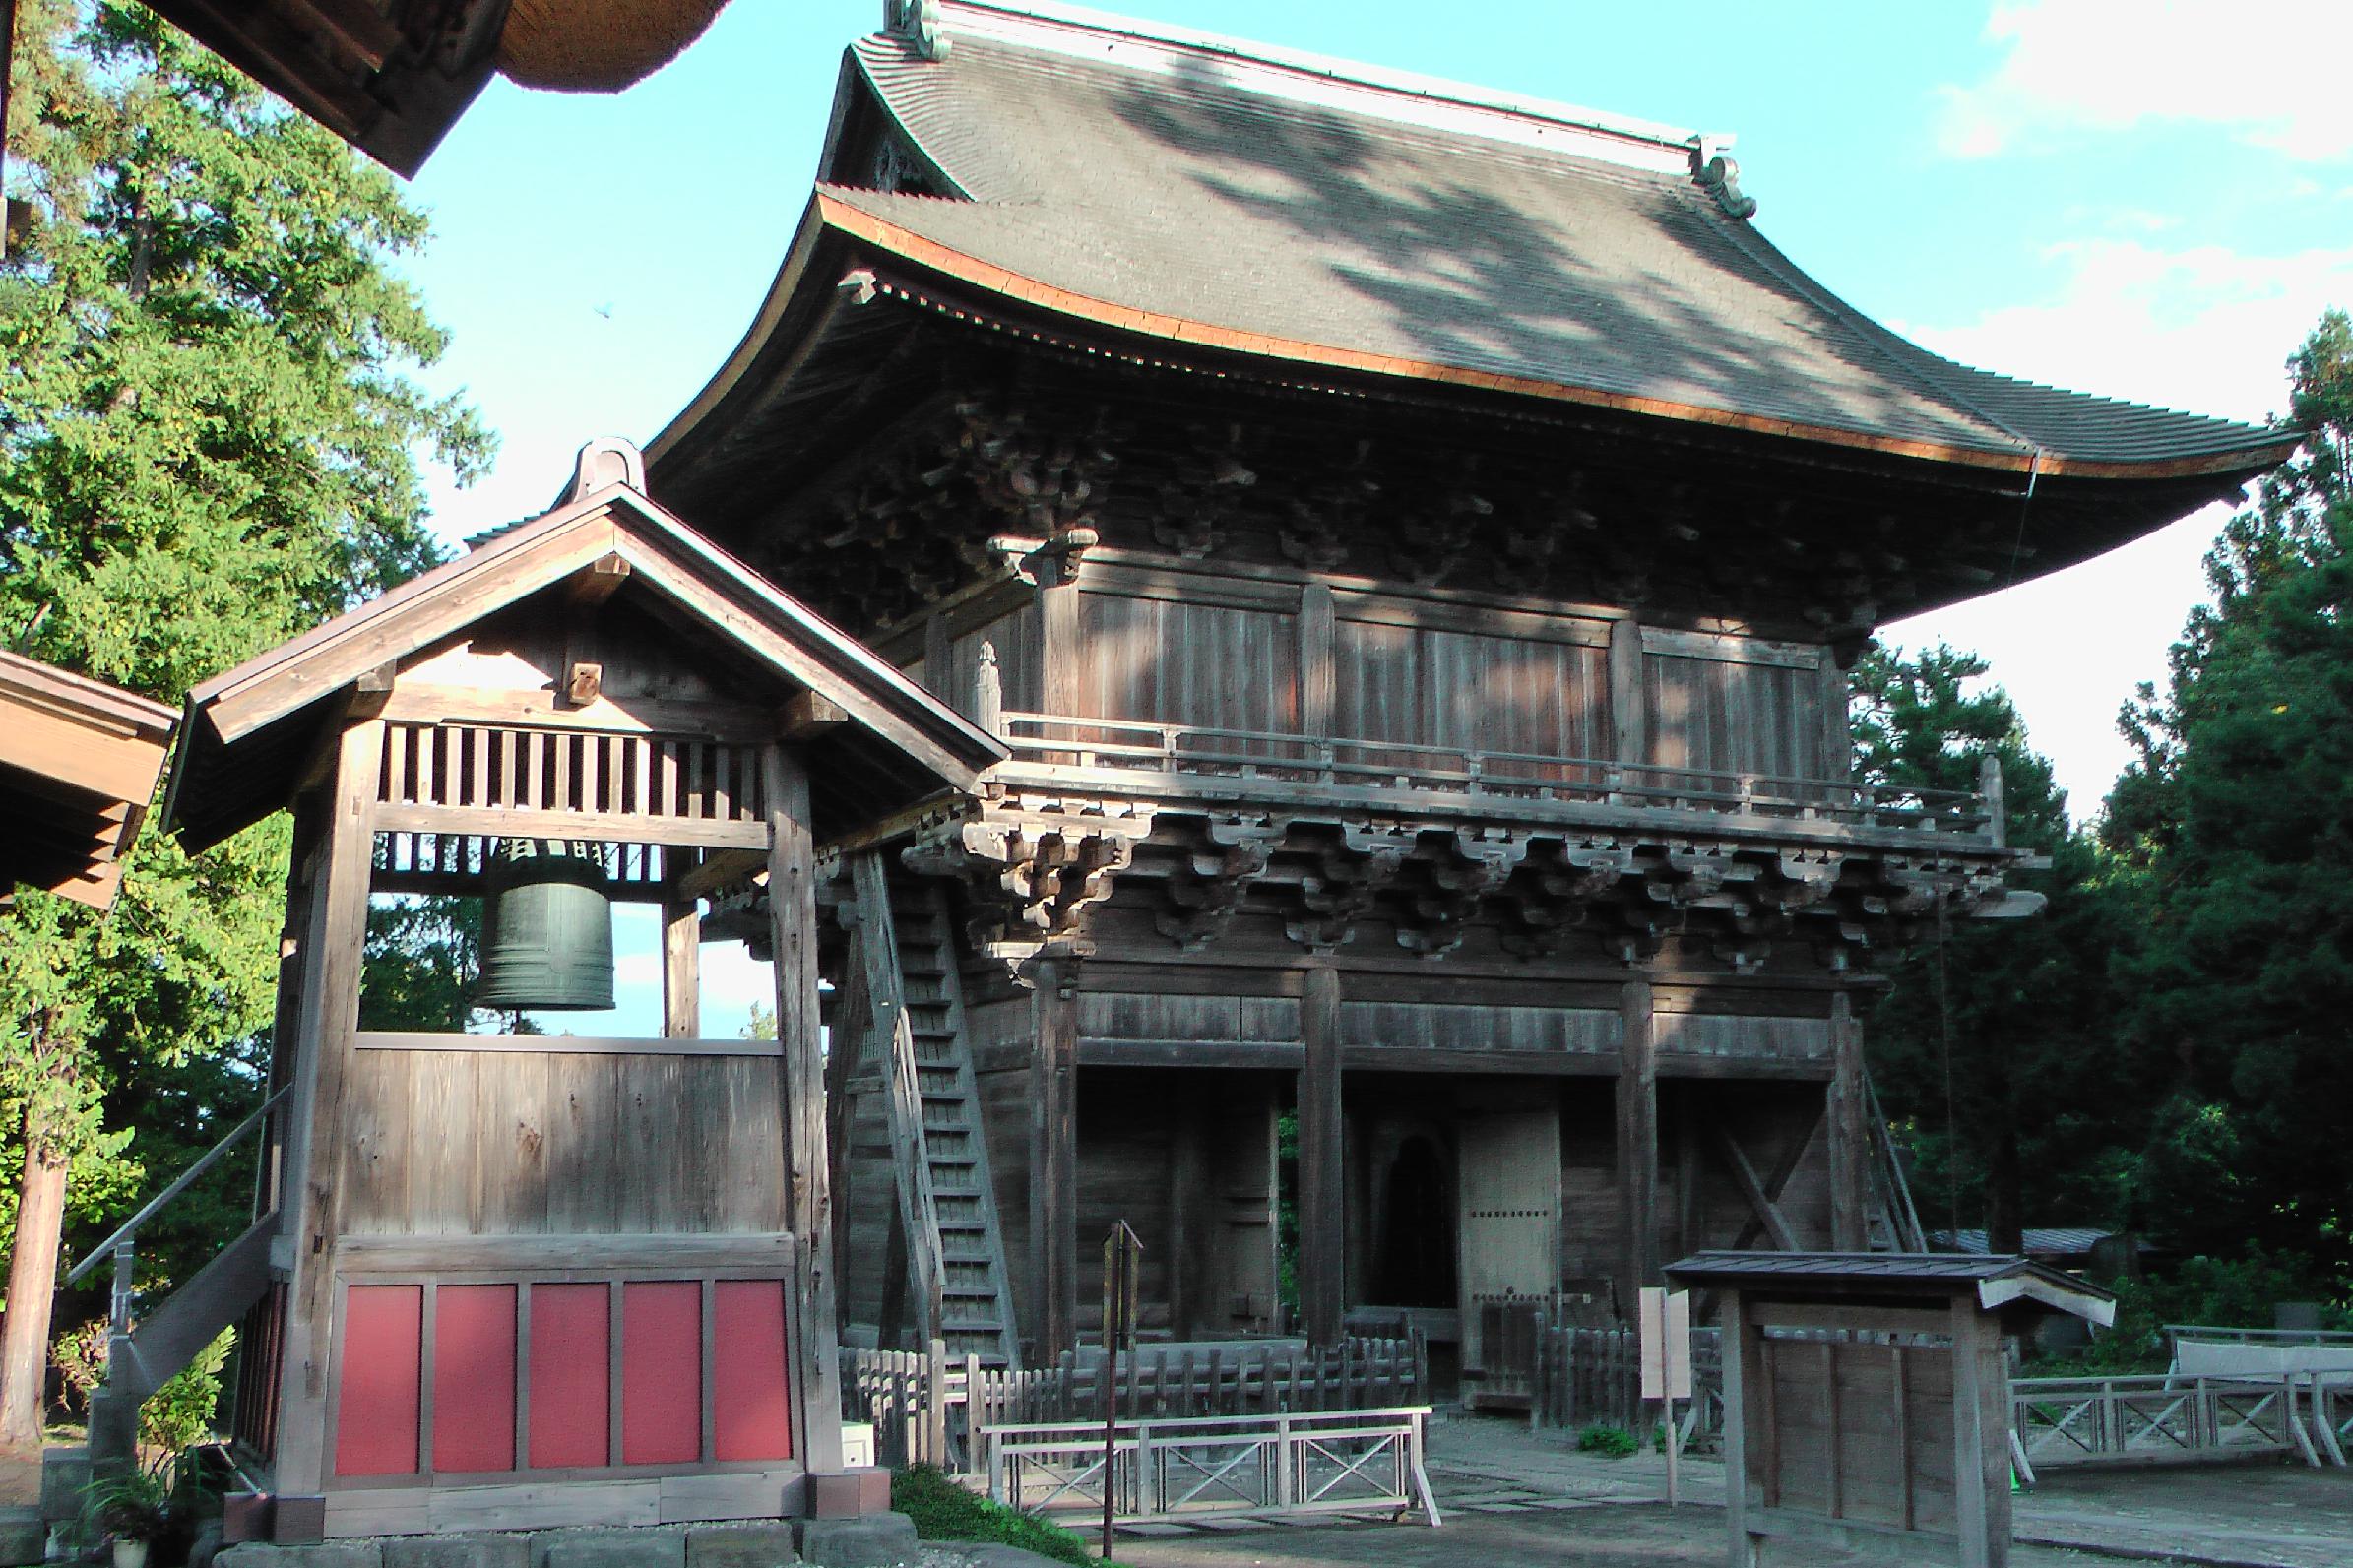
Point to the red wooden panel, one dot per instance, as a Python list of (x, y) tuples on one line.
[(571, 1375), (661, 1372), (382, 1380), (474, 1377), (751, 1415)]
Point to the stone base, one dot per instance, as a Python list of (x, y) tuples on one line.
[(849, 1493), (474, 1549), (64, 1478), (761, 1544), (878, 1540), (24, 1537)]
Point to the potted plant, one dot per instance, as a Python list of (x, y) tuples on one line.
[(131, 1509)]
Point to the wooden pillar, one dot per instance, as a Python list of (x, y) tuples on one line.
[(328, 1012), (1980, 1437), (681, 968), (1053, 1145), (1837, 735), (1318, 637), (1322, 1289), (1638, 1142), (1627, 718), (1850, 1132), (809, 1209), (1689, 1232), (1061, 682), (1191, 1214), (1746, 1405)]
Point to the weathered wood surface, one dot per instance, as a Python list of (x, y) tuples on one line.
[(1323, 1287)]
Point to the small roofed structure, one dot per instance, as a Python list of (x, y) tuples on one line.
[(509, 1281), (79, 761), (1870, 1393)]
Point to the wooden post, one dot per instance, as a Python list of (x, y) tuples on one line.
[(1837, 735), (1980, 1437), (1322, 1290), (1627, 725), (1053, 1141), (330, 1014), (988, 692), (1744, 1402), (1319, 636), (793, 926), (1062, 680), (1638, 1142), (681, 968), (1848, 1116)]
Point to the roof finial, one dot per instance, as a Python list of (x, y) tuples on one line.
[(1719, 175), (607, 460), (916, 21)]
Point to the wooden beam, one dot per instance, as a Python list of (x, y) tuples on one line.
[(1322, 1217), (1744, 1404), (1639, 1141), (1318, 637), (1980, 1437), (1744, 1176), (584, 682), (1054, 1142), (597, 582), (1777, 1183), (603, 827), (681, 968), (793, 926), (808, 714), (1846, 1114)]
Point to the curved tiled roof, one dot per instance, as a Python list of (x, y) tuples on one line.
[(1166, 189)]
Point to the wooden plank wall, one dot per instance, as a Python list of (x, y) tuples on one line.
[(1435, 686), (1019, 638), (1214, 666), (1727, 706), (505, 1142)]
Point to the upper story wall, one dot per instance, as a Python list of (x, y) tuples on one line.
[(1535, 690)]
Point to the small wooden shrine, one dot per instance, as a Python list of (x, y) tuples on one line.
[(1870, 1395), (511, 1280), (1412, 541)]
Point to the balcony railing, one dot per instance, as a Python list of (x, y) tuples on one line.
[(1327, 768)]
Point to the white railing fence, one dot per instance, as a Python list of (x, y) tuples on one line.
[(1335, 1462), (2076, 1420), (925, 1405)]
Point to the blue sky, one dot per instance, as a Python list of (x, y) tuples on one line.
[(2143, 200)]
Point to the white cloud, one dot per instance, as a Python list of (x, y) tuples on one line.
[(2265, 69), (2203, 329)]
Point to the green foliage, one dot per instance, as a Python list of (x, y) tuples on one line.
[(80, 1356), (179, 1415), (1609, 1440), (1991, 1046), (2238, 819), (135, 1505), (761, 1025), (421, 962), (207, 430), (945, 1511)]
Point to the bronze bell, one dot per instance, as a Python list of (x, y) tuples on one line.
[(547, 928)]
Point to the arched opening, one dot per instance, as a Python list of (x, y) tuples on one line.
[(1416, 1260)]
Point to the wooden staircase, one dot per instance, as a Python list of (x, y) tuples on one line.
[(1892, 1222), (956, 1252)]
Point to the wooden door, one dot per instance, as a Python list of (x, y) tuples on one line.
[(1510, 1203)]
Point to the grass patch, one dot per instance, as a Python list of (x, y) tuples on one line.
[(945, 1511), (1609, 1441)]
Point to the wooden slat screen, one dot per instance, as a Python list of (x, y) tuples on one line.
[(570, 770)]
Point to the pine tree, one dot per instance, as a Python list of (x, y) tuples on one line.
[(2239, 817), (205, 435)]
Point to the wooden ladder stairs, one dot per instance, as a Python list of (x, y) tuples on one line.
[(1892, 1222), (955, 1249)]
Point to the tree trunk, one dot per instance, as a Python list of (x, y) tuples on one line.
[(31, 1288), (2005, 1193)]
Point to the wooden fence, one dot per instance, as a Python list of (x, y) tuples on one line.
[(925, 1405), (1584, 1376)]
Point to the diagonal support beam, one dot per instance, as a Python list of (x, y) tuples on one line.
[(1760, 1202)]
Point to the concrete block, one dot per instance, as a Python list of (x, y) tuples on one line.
[(470, 1549), (298, 1520), (620, 1547), (64, 1477), (761, 1544), (322, 1555), (24, 1537), (879, 1540)]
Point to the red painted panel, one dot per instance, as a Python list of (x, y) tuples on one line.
[(382, 1380), (750, 1416), (571, 1375), (661, 1372), (474, 1377)]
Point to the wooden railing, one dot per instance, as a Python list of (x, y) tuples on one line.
[(1338, 1462), (1058, 741), (2077, 1420), (926, 1405)]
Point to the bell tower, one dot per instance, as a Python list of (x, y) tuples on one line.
[(528, 1261)]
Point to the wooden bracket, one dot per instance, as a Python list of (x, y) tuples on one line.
[(597, 582), (584, 682)]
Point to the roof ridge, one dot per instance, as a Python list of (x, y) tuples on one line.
[(1407, 97)]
